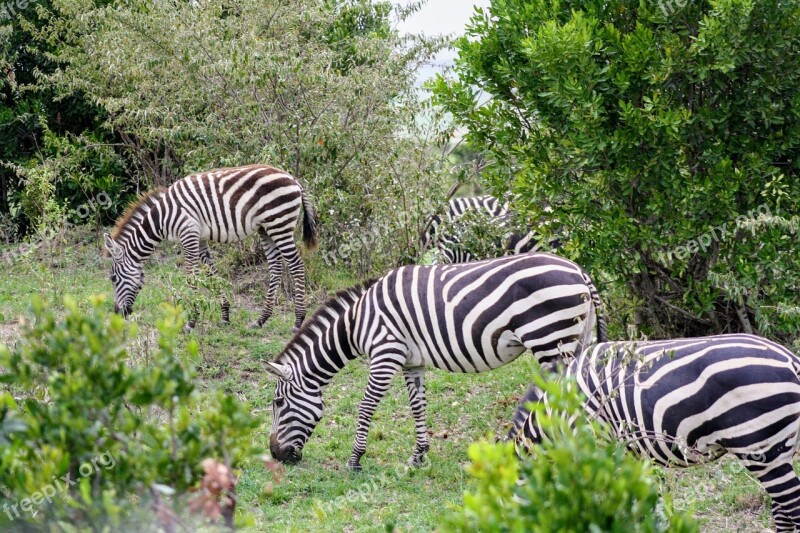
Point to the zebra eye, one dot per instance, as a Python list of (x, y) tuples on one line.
[(113, 278), (279, 401)]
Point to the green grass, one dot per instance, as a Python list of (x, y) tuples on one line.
[(319, 493)]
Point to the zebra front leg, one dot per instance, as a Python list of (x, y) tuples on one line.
[(190, 242), (274, 264), (206, 259), (415, 383), (381, 373), (533, 394), (782, 484)]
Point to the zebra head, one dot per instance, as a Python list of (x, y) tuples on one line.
[(296, 411), (127, 276)]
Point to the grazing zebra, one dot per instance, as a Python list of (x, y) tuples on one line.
[(688, 401), (224, 205), (448, 244), (469, 317)]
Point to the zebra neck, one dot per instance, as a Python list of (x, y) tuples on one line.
[(326, 342), (144, 232), (320, 351)]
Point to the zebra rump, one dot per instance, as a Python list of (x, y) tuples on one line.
[(688, 401)]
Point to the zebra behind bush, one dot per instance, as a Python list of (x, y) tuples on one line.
[(469, 317), (224, 205), (688, 401), (442, 231)]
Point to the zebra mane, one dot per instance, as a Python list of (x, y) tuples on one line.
[(133, 209), (342, 300)]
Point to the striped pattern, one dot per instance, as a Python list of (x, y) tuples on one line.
[(448, 245), (469, 317), (225, 205), (688, 401)]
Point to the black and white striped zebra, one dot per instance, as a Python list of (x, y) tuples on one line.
[(688, 401), (469, 317), (442, 234), (224, 205)]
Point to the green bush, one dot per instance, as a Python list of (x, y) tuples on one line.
[(95, 436), (577, 480), (664, 136)]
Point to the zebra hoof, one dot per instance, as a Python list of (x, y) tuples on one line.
[(416, 461), (254, 325), (352, 466)]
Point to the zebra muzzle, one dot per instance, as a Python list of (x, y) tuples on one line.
[(284, 454)]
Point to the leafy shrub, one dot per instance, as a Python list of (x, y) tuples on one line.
[(332, 83), (91, 439), (575, 481), (663, 135)]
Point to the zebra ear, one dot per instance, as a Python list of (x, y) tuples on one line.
[(282, 371), (113, 248)]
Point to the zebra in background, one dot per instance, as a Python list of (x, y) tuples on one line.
[(224, 205), (469, 317), (689, 401), (447, 242)]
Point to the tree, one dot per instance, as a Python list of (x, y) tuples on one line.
[(324, 90), (58, 135), (663, 135)]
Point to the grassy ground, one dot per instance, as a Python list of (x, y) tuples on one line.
[(319, 493)]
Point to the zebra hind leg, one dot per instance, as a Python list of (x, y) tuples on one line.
[(381, 373), (415, 382), (297, 270), (275, 265), (782, 484)]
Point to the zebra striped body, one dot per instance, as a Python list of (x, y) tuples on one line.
[(469, 317), (225, 205), (688, 401), (448, 245)]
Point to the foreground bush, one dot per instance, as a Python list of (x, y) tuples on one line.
[(92, 437), (575, 481)]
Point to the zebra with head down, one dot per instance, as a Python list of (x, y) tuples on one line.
[(225, 205), (683, 402), (471, 317)]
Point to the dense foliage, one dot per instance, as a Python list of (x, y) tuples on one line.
[(324, 90), (664, 135), (574, 482), (54, 153), (94, 435)]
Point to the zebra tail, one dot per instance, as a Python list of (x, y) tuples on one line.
[(309, 223), (602, 325)]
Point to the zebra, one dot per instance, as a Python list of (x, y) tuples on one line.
[(224, 205), (688, 401), (447, 242), (471, 317)]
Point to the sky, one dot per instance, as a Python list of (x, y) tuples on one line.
[(440, 17)]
